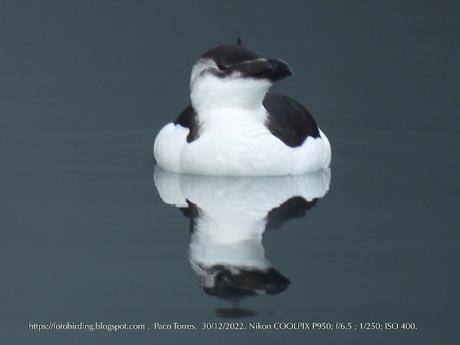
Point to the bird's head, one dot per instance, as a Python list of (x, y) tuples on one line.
[(233, 76)]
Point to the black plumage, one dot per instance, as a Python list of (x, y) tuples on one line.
[(189, 119), (288, 120)]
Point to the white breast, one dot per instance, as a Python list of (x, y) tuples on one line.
[(240, 145)]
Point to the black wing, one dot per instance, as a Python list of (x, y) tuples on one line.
[(288, 120), (189, 119)]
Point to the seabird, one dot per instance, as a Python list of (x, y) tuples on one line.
[(234, 126)]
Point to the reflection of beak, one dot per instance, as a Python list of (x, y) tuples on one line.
[(279, 70)]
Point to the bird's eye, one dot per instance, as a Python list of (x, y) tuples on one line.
[(223, 67)]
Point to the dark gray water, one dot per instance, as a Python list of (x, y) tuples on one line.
[(84, 88)]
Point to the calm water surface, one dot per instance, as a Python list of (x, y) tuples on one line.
[(92, 232)]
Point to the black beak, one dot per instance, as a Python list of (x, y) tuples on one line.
[(279, 70), (272, 69)]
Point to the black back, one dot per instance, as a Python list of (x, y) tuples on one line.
[(288, 120)]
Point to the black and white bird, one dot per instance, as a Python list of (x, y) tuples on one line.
[(234, 126)]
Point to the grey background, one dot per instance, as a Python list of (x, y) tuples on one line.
[(86, 85)]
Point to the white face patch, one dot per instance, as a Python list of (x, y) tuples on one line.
[(210, 91)]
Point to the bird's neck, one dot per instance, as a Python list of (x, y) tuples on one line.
[(241, 111), (232, 117), (211, 95)]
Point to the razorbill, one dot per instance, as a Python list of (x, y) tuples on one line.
[(234, 126), (229, 215)]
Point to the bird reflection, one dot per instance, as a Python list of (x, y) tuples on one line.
[(228, 217)]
